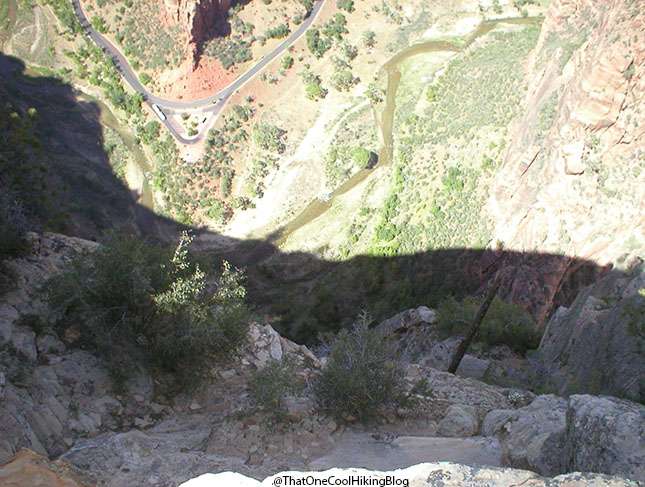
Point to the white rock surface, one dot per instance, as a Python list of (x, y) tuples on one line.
[(422, 475)]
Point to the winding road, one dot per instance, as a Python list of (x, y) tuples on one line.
[(213, 103)]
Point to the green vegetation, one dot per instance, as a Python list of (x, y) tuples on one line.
[(347, 5), (144, 41), (116, 151), (99, 24), (287, 62), (99, 68), (320, 41), (229, 51), (547, 115), (278, 32), (317, 44), (145, 78), (504, 324), (406, 244), (149, 132), (342, 79), (314, 90), (23, 188), (137, 303), (271, 385), (269, 137), (308, 4), (362, 157), (361, 376), (63, 10), (369, 38), (4, 10)]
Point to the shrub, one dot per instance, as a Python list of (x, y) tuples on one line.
[(347, 5), (361, 156), (504, 323), (13, 228), (269, 137), (278, 32), (271, 385), (361, 375), (138, 303)]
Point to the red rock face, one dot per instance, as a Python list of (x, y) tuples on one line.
[(198, 18), (577, 187)]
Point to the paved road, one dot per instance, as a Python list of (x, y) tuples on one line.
[(216, 101)]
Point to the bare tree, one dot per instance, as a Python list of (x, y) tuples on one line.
[(474, 327)]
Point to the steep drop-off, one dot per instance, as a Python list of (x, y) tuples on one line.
[(573, 179)]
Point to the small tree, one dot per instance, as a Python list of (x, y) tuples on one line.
[(347, 5), (369, 38), (361, 156), (361, 376), (137, 303), (271, 385)]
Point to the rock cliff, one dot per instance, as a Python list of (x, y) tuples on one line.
[(573, 175), (199, 19), (596, 345)]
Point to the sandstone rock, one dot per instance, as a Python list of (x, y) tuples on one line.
[(460, 421), (357, 449), (606, 435), (575, 188), (421, 475), (448, 389), (27, 469)]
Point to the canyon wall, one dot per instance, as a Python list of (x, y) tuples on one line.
[(573, 175), (197, 17)]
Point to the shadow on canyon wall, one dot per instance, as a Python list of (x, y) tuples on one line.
[(299, 293), (84, 195)]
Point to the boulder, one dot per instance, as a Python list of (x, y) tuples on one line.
[(533, 437), (407, 319), (496, 422), (263, 346), (473, 367), (606, 435), (164, 456), (460, 421)]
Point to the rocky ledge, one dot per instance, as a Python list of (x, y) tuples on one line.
[(425, 474)]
